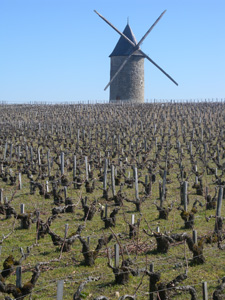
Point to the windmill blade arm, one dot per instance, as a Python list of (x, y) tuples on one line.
[(117, 30), (150, 29), (119, 70), (157, 66), (136, 46)]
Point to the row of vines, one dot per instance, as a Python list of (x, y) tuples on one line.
[(112, 201)]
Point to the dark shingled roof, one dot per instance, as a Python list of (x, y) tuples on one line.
[(123, 47)]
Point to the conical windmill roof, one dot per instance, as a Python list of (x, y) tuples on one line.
[(123, 47)]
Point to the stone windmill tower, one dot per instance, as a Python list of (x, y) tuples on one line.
[(127, 66)]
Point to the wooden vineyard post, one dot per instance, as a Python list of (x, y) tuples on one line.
[(78, 137), (113, 180), (66, 230), (178, 147), (202, 134), (219, 202), (49, 165), (47, 186), (132, 219), (163, 194), (10, 154), (136, 183), (18, 153), (205, 152), (117, 251), (5, 151), (184, 195), (218, 153), (205, 291), (196, 168), (105, 177), (1, 196), (218, 208), (86, 167), (39, 157), (141, 126), (195, 236), (74, 166), (155, 127), (22, 211), (115, 172), (151, 294), (62, 163), (31, 187), (196, 179), (31, 154), (22, 208), (20, 182), (19, 277), (60, 285)]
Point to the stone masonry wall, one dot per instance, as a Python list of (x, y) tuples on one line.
[(129, 83)]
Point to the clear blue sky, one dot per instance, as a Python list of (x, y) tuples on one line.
[(57, 50)]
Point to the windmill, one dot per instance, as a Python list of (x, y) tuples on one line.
[(127, 65)]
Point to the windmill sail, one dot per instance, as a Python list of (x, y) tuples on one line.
[(128, 47)]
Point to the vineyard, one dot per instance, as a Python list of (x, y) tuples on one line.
[(112, 201)]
